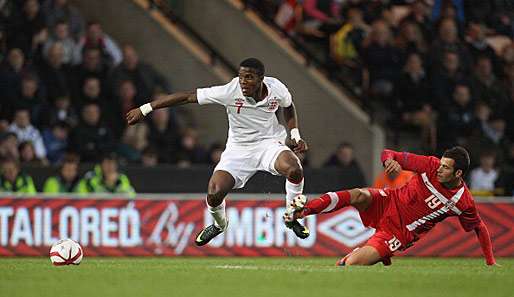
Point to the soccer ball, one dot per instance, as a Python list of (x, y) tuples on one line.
[(66, 252)]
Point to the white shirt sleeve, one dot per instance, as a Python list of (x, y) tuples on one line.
[(217, 94), (285, 96)]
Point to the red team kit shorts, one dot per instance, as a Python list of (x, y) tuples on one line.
[(383, 215)]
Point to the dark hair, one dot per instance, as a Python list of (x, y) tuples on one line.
[(111, 156), (461, 157), (254, 64), (345, 144)]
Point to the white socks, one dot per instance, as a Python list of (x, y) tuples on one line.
[(293, 190), (218, 213)]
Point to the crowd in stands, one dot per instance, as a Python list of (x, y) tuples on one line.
[(65, 86), (441, 71)]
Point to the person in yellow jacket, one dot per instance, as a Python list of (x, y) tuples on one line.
[(13, 180), (105, 178), (66, 181)]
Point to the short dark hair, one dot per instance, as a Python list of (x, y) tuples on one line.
[(254, 64), (461, 157)]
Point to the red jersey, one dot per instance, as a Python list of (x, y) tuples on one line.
[(424, 201)]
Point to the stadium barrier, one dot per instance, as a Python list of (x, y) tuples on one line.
[(166, 225)]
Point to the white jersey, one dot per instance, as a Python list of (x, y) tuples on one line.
[(250, 122)]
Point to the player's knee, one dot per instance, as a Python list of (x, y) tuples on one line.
[(215, 199), (354, 261), (295, 172)]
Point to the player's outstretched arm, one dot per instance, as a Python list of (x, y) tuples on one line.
[(485, 243), (396, 161), (291, 119), (137, 114)]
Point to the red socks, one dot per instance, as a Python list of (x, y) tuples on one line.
[(328, 202)]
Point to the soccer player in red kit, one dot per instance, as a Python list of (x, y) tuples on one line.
[(401, 216)]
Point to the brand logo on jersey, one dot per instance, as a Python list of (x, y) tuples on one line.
[(273, 104), (346, 228)]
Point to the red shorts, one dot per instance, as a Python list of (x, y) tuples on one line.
[(383, 215)]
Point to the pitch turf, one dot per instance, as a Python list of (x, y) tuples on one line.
[(248, 277)]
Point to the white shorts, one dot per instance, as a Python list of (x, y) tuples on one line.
[(243, 162)]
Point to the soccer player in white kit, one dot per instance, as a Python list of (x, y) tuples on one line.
[(256, 140)]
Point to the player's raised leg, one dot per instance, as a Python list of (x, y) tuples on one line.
[(220, 184), (288, 165), (331, 201)]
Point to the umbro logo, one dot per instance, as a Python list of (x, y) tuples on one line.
[(346, 228)]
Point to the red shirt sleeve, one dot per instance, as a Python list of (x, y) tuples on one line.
[(469, 218), (310, 9), (411, 162)]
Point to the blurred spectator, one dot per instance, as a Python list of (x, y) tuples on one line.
[(9, 146), (477, 43), (345, 44), (124, 102), (453, 9), (66, 181), (54, 73), (456, 122), (147, 80), (11, 73), (289, 16), (30, 97), (444, 80), (482, 179), (91, 137), (343, 158), (28, 154), (133, 141), (495, 130), (322, 15), (58, 10), (13, 180), (413, 99), (505, 181), (59, 110), (380, 60), (486, 86), (91, 66), (393, 181), (149, 157), (61, 34), (26, 132), (215, 152), (56, 141), (96, 38), (105, 178), (164, 135), (91, 92), (448, 40), (191, 152), (410, 40), (419, 14), (25, 29)]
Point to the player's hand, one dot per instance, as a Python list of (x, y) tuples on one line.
[(392, 167), (495, 265), (299, 146), (134, 116)]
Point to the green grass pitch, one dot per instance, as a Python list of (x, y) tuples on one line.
[(249, 277)]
